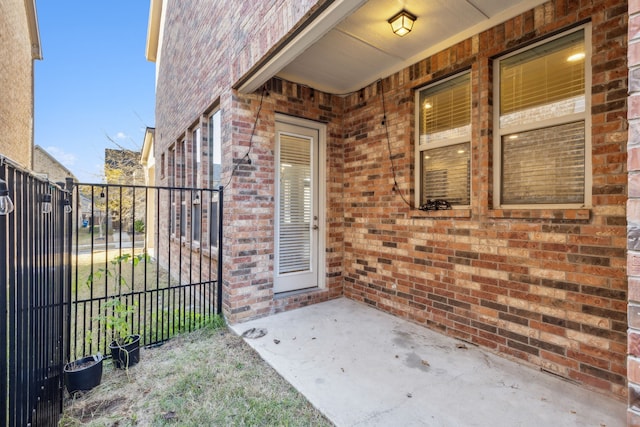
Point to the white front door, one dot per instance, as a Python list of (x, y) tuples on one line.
[(298, 223)]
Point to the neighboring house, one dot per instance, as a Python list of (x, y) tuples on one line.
[(148, 162), (334, 132), (45, 165), (19, 47)]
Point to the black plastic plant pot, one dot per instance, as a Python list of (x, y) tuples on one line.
[(127, 355), (83, 374)]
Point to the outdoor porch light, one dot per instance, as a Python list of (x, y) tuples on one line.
[(6, 205), (402, 23), (196, 201), (46, 204), (67, 206)]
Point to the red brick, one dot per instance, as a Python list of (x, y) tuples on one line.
[(525, 258), (633, 418)]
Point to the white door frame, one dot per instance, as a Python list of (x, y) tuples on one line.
[(320, 163)]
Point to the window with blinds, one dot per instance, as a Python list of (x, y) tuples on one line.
[(173, 165), (444, 132), (541, 143), (195, 158), (215, 170)]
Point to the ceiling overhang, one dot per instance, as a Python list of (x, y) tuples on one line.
[(349, 44)]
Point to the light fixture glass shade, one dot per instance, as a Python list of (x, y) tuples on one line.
[(6, 205), (67, 206), (402, 23), (46, 204)]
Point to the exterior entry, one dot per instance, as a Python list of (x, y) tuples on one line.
[(298, 225)]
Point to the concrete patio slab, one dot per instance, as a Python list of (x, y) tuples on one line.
[(363, 367)]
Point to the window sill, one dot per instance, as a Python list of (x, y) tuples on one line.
[(563, 214), (212, 252), (449, 213)]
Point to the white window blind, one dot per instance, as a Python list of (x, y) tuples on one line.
[(445, 110), (543, 82), (295, 204), (445, 174), (544, 165), (542, 108)]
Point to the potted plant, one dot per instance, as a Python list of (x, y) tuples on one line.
[(116, 313), (83, 374), (124, 346)]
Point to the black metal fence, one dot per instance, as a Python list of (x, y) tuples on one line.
[(146, 259), (34, 266), (67, 253)]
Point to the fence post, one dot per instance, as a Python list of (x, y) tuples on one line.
[(4, 321), (220, 244)]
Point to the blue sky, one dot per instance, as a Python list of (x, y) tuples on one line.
[(94, 82)]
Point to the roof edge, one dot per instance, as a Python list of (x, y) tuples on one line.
[(34, 31), (153, 29)]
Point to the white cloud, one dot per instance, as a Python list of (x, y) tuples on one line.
[(67, 159), (121, 135)]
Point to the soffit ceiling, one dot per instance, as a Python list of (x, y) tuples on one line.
[(362, 48)]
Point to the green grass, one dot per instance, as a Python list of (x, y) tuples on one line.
[(167, 312), (209, 377)]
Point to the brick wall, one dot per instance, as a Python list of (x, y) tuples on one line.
[(633, 214), (207, 46), (251, 225), (544, 286), (44, 163), (16, 79), (548, 287)]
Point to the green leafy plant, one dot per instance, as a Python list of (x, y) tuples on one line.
[(115, 318), (138, 226), (116, 311)]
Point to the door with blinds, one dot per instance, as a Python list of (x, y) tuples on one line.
[(297, 206)]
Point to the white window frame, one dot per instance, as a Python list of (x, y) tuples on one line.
[(173, 179), (196, 160), (420, 148), (585, 116), (183, 183), (215, 142), (196, 180)]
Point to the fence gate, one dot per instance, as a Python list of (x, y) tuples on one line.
[(34, 266), (148, 257)]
